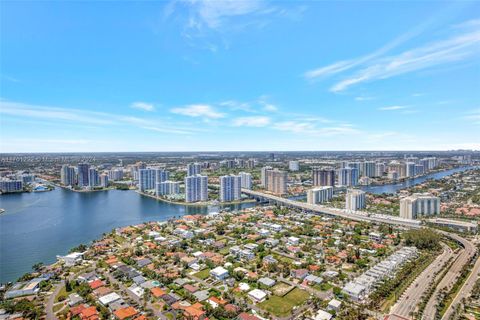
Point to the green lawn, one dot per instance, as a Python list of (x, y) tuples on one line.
[(204, 274), (62, 293), (57, 307), (282, 306), (297, 296), (224, 251), (119, 239)]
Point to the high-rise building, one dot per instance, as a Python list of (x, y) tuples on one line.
[(347, 177), (277, 181), (115, 174), (393, 175), (419, 169), (82, 173), (67, 175), (379, 169), (399, 168), (319, 195), (104, 180), (355, 200), (251, 163), (246, 180), (148, 178), (7, 185), (194, 169), (240, 163), (419, 204), (355, 165), (196, 188), (167, 188), (429, 163), (26, 178), (323, 177), (264, 177), (161, 175), (293, 165), (230, 188), (93, 178), (230, 164), (367, 169), (410, 166)]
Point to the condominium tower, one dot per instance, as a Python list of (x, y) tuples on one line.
[(230, 188)]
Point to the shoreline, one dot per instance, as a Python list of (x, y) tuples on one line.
[(402, 180), (195, 204)]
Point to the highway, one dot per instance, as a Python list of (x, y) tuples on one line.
[(465, 290), (352, 215), (452, 274), (412, 296), (410, 300)]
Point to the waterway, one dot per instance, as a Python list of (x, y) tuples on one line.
[(395, 187), (36, 227)]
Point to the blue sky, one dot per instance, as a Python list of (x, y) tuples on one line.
[(239, 75)]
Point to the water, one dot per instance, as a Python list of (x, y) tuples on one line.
[(394, 187), (38, 226)]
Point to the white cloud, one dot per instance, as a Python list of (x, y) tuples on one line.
[(199, 110), (391, 108), (345, 65), (437, 53), (143, 106), (210, 24), (236, 105), (310, 128), (270, 107), (376, 65), (473, 116), (364, 98), (251, 121), (167, 130), (44, 112), (76, 116), (213, 14), (333, 68)]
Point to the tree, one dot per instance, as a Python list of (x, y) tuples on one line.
[(38, 266)]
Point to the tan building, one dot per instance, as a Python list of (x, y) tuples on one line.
[(277, 181), (419, 204)]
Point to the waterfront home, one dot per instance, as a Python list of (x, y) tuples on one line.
[(71, 259), (23, 289)]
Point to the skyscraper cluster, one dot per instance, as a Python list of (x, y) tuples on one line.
[(83, 176), (150, 177)]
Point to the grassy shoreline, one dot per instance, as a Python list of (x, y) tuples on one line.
[(194, 204)]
